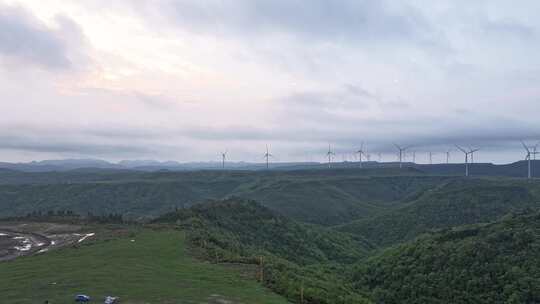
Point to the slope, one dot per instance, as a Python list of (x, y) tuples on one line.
[(494, 263), (455, 203), (295, 260)]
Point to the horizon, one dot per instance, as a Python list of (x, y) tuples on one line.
[(131, 163), (183, 80)]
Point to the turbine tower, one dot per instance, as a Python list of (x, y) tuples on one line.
[(223, 156), (471, 150), (401, 150), (528, 158), (448, 156), (467, 153), (431, 157), (330, 154), (360, 153), (267, 155)]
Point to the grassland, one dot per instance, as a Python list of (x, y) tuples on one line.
[(153, 268)]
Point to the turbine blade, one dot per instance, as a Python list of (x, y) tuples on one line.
[(525, 146), (462, 150)]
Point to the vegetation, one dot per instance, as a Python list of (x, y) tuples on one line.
[(494, 263), (298, 261), (139, 266), (319, 196), (316, 237), (452, 204)]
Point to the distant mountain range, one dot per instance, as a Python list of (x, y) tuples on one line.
[(141, 165), (517, 169)]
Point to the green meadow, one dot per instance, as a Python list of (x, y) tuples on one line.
[(150, 267)]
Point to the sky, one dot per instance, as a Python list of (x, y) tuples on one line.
[(186, 80)]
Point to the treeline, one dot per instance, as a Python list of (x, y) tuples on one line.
[(70, 216)]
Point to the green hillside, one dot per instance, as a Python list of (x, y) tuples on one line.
[(495, 263), (153, 268), (452, 204), (322, 197), (295, 256)]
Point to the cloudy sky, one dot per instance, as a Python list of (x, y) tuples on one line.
[(184, 80)]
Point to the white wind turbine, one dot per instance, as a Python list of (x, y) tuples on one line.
[(223, 156), (448, 155), (467, 153), (361, 153), (330, 154), (401, 150), (431, 157), (267, 155), (528, 157), (471, 151)]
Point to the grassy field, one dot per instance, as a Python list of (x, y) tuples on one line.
[(154, 268)]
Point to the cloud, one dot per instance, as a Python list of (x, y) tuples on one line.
[(25, 40), (344, 21), (185, 79)]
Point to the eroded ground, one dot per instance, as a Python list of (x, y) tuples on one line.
[(20, 238)]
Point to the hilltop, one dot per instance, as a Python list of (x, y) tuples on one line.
[(139, 265)]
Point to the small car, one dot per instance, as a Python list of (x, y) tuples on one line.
[(82, 298), (111, 300)]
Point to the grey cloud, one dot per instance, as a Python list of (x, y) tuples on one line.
[(512, 28), (76, 146), (24, 38), (421, 132), (343, 20)]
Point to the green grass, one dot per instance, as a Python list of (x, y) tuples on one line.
[(156, 268)]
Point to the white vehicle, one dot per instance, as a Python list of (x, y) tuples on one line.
[(111, 300)]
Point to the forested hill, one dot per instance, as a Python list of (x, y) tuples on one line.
[(298, 261), (452, 204), (326, 197), (494, 263), (251, 228)]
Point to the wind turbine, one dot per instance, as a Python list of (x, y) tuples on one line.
[(330, 154), (467, 153), (471, 150), (223, 156), (528, 158), (267, 155), (414, 157), (431, 157), (360, 153), (448, 155), (401, 150)]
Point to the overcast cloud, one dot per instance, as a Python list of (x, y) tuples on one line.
[(184, 80)]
